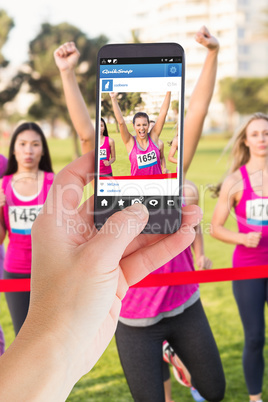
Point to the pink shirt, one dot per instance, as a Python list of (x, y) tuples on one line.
[(105, 153), (145, 162), (252, 216), (151, 301), (18, 217), (3, 166)]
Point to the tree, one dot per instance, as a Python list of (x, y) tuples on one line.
[(244, 95), (44, 78), (6, 24), (12, 88), (128, 102)]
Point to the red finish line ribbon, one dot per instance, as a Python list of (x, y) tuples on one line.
[(176, 278), (15, 285), (215, 275)]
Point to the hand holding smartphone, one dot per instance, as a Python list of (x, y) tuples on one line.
[(140, 88)]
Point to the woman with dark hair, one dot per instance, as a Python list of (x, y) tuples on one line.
[(107, 151), (143, 148), (3, 166), (25, 184)]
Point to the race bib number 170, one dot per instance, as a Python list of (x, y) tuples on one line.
[(22, 218), (257, 212)]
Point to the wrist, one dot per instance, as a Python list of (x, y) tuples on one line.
[(39, 363), (214, 51), (67, 73), (241, 239)]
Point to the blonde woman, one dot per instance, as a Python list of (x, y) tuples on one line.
[(246, 191)]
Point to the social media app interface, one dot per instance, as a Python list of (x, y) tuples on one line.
[(140, 174)]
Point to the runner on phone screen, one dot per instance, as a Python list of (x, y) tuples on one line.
[(143, 148)]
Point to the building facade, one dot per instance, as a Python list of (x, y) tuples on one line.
[(238, 24)]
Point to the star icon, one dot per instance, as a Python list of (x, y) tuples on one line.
[(121, 203)]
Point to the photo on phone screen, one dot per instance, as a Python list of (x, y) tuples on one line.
[(140, 106)]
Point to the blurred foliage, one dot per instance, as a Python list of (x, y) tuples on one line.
[(247, 94), (128, 102), (10, 91), (45, 78), (6, 24)]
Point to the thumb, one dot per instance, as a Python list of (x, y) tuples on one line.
[(120, 229)]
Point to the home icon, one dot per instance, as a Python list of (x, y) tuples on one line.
[(104, 203)]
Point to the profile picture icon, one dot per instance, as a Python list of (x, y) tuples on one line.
[(107, 85)]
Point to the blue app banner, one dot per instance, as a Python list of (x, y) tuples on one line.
[(140, 71)]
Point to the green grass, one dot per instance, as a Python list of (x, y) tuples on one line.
[(106, 380)]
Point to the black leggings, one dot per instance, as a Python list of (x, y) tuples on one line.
[(18, 302), (189, 334), (251, 296)]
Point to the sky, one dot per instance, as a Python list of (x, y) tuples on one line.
[(111, 18)]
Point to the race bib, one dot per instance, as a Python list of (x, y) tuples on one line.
[(22, 218), (257, 212), (147, 160), (103, 154)]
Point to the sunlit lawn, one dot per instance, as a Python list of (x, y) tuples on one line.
[(106, 381)]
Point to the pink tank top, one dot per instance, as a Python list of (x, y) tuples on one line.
[(105, 153), (151, 301), (19, 217), (252, 216), (3, 166), (145, 162)]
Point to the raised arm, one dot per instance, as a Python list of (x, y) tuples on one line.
[(66, 58), (172, 151), (125, 134), (162, 157), (201, 97), (159, 124), (192, 198)]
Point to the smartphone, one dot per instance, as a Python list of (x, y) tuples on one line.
[(139, 113)]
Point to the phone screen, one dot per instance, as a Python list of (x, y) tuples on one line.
[(139, 120)]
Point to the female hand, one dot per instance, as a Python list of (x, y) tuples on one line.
[(80, 275), (113, 95), (66, 56), (204, 37), (204, 262), (251, 239)]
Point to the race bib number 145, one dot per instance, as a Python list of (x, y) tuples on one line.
[(22, 218)]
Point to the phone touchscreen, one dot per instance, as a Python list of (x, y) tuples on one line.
[(139, 121)]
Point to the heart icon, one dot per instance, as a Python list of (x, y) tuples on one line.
[(109, 60)]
